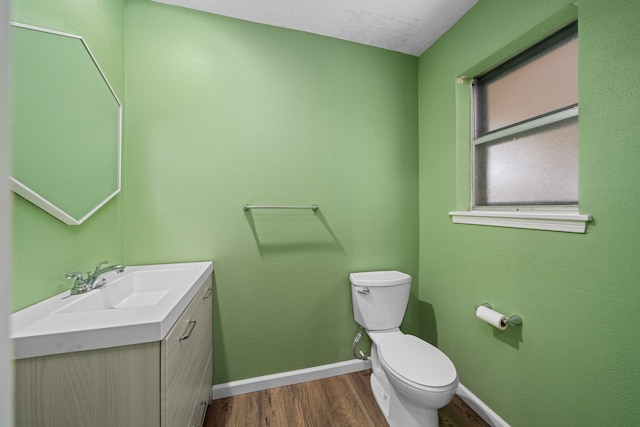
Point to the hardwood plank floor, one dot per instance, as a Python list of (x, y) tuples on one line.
[(341, 401)]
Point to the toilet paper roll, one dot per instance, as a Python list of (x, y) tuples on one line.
[(495, 319)]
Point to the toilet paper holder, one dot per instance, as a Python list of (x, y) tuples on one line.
[(512, 320)]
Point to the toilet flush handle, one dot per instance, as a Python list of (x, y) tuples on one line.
[(363, 291)]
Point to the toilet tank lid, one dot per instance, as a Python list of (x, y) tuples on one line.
[(379, 278)]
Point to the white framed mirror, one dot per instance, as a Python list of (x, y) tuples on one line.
[(66, 125)]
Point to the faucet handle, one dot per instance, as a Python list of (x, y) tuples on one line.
[(80, 281), (76, 274), (80, 284)]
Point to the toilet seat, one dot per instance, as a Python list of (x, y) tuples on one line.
[(417, 362)]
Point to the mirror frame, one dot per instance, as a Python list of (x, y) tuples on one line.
[(31, 195)]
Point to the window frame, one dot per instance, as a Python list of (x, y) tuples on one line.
[(566, 218)]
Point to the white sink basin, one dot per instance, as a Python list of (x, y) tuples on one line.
[(136, 306), (141, 288)]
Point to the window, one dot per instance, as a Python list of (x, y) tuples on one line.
[(525, 138), (526, 127)]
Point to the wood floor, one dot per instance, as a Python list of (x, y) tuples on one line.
[(341, 401)]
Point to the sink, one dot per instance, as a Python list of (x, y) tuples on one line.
[(129, 290), (133, 307)]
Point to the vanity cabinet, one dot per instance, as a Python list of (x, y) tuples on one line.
[(166, 383)]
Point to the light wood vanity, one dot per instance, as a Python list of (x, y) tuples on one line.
[(165, 383)]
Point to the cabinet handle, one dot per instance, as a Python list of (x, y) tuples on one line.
[(190, 327), (208, 294), (204, 413)]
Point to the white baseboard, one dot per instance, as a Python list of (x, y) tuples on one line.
[(480, 407), (250, 385), (266, 382)]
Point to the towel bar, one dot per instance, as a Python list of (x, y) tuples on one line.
[(247, 207)]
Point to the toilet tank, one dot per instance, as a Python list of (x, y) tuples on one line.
[(379, 298)]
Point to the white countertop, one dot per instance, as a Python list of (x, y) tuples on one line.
[(67, 323)]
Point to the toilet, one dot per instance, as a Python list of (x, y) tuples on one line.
[(411, 379)]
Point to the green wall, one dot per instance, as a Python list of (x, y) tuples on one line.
[(574, 361), (45, 249), (222, 112)]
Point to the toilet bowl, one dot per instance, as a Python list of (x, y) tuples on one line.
[(411, 378)]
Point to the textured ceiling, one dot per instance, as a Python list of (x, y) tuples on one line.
[(407, 26)]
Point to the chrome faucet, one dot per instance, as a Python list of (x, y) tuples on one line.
[(92, 281)]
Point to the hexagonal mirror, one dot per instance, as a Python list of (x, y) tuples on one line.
[(66, 124)]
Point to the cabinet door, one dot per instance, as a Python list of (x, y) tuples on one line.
[(110, 387), (184, 356)]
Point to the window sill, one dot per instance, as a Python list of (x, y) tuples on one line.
[(568, 222)]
